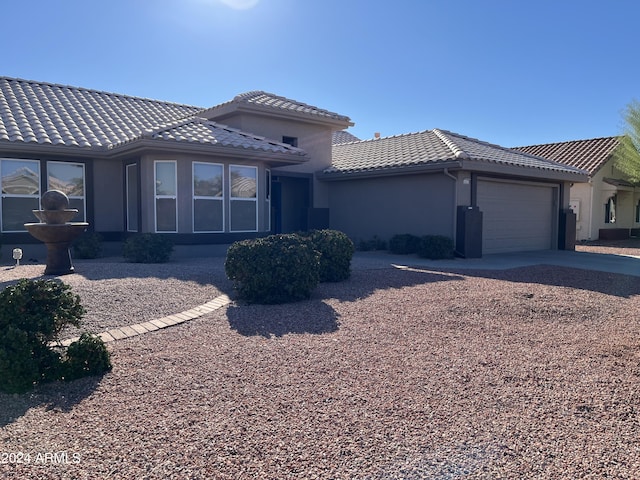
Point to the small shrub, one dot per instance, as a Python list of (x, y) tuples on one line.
[(435, 247), (148, 248), (86, 356), (273, 269), (375, 243), (88, 246), (404, 244), (336, 250), (32, 315)]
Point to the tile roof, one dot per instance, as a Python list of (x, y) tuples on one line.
[(48, 114), (269, 102), (589, 155), (430, 147), (343, 136)]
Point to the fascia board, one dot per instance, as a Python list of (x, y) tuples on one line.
[(514, 170), (389, 172)]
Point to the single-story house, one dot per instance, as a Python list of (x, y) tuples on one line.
[(261, 164), (608, 205), (489, 199)]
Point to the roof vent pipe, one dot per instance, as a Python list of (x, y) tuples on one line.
[(376, 135)]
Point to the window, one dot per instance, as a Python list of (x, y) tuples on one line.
[(293, 141), (243, 200), (208, 197), (132, 197), (166, 196), (610, 210), (20, 193), (69, 178), (638, 212)]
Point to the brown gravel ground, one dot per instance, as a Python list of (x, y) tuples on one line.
[(394, 374)]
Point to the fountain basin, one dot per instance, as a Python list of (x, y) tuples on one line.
[(55, 217), (57, 239)]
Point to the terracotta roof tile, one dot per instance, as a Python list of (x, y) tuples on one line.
[(589, 155)]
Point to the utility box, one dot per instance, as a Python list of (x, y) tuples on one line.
[(567, 233), (469, 232)]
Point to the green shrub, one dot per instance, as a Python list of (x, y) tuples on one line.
[(273, 269), (336, 251), (375, 243), (89, 245), (404, 244), (435, 247), (86, 356), (32, 315), (148, 248)]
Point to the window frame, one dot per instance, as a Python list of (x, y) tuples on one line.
[(195, 197), (253, 199), (157, 197), (36, 196), (72, 197), (267, 196)]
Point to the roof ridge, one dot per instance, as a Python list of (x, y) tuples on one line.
[(608, 137), (457, 151), (96, 91)]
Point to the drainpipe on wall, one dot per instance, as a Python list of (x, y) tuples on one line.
[(591, 209), (455, 204)]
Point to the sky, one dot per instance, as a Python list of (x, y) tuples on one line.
[(509, 72)]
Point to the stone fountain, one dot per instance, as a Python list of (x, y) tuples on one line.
[(56, 231)]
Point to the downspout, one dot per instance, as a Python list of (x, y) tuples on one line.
[(591, 208)]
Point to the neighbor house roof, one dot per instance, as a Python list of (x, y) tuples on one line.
[(437, 149), (262, 102), (36, 114), (589, 155)]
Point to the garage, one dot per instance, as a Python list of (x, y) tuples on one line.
[(517, 216)]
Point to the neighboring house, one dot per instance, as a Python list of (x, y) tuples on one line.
[(262, 164), (608, 206), (438, 182), (128, 164)]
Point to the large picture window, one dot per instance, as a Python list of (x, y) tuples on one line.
[(20, 193), (243, 203), (208, 197), (166, 189), (69, 178)]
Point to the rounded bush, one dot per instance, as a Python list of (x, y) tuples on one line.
[(274, 269), (404, 244), (336, 250), (435, 247), (88, 246), (32, 315), (147, 248), (86, 356)]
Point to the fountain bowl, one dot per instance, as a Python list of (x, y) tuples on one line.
[(55, 217)]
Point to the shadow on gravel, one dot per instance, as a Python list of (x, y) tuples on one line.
[(311, 316), (314, 316), (614, 284), (56, 396)]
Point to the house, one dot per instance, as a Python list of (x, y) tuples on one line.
[(261, 164), (608, 206), (489, 199), (128, 164)]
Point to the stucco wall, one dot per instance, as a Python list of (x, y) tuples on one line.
[(420, 204), (108, 196)]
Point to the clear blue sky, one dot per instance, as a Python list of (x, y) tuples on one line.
[(511, 72)]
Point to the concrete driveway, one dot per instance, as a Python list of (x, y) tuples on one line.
[(622, 264)]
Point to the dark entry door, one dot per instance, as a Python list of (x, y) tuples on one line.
[(291, 198)]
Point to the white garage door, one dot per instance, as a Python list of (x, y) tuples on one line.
[(516, 217)]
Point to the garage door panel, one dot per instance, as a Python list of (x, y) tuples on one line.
[(516, 217)]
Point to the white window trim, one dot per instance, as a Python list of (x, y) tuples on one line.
[(195, 197), (267, 194), (10, 195), (126, 186), (84, 184), (243, 199), (156, 196)]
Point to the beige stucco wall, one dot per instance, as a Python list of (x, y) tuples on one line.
[(419, 204)]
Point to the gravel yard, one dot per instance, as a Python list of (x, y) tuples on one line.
[(394, 374)]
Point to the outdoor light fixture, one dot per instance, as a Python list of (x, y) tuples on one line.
[(17, 255)]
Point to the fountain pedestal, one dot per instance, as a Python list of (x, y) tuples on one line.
[(56, 231)]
